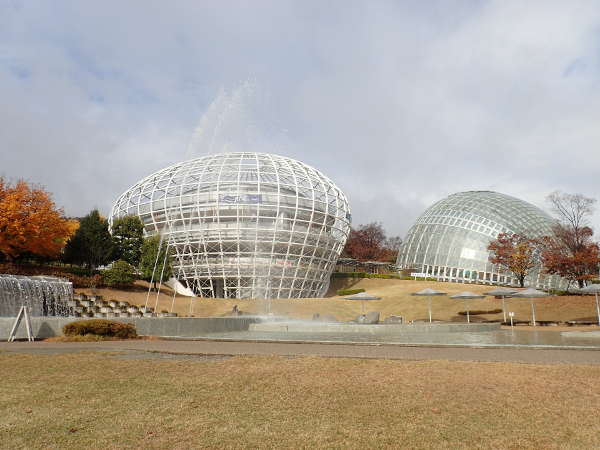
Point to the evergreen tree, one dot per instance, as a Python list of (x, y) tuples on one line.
[(91, 245), (128, 237), (121, 274), (151, 256)]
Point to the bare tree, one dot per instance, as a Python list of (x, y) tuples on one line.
[(573, 211), (570, 252)]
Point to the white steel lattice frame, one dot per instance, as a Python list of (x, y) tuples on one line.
[(244, 225), (450, 239)]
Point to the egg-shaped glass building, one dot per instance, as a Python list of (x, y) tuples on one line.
[(450, 239), (244, 225)]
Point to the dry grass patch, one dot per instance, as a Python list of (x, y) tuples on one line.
[(98, 401), (85, 338)]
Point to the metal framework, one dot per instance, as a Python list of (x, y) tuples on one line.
[(244, 225), (450, 239)]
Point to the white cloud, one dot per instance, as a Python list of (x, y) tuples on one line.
[(399, 103)]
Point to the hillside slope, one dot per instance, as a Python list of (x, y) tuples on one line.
[(396, 300)]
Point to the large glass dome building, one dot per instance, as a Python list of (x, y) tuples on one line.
[(244, 225), (450, 239)]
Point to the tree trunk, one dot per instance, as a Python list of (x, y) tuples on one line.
[(522, 280)]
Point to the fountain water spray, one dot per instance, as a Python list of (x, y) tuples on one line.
[(236, 120), (44, 296)]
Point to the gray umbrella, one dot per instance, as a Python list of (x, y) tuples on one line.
[(429, 293), (363, 296), (502, 293), (466, 295), (531, 294), (593, 289)]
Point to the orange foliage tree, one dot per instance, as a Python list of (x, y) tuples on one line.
[(30, 223), (571, 255), (515, 253)]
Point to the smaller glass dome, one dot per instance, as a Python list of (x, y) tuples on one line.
[(450, 239)]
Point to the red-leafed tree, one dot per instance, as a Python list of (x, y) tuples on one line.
[(516, 253), (370, 243), (561, 256), (571, 252)]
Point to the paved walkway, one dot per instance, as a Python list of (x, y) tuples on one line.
[(403, 352)]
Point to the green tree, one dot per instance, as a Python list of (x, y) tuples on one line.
[(91, 245), (151, 256), (128, 237), (120, 274)]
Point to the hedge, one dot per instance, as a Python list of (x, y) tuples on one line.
[(363, 275), (349, 291), (99, 327), (378, 275)]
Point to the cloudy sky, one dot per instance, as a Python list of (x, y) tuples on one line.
[(400, 103)]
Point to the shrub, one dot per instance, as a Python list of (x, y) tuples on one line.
[(120, 274), (364, 275), (76, 270), (477, 312), (379, 275), (70, 273), (349, 291), (419, 278), (99, 327), (94, 281)]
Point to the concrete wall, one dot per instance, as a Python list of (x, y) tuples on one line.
[(44, 327)]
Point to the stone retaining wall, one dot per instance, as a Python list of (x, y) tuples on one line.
[(44, 327)]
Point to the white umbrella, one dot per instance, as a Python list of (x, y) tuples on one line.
[(593, 289), (363, 297), (466, 295), (502, 293), (429, 293), (531, 294)]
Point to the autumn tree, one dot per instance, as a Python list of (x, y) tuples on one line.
[(91, 245), (30, 223), (516, 253), (570, 251), (128, 237), (577, 265), (370, 243), (155, 260)]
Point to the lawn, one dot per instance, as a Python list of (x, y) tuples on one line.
[(92, 400)]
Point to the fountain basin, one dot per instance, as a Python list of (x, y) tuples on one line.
[(324, 327)]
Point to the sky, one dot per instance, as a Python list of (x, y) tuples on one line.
[(400, 103)]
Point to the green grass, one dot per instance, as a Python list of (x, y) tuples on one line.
[(88, 400)]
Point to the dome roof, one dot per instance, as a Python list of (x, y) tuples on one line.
[(234, 174), (493, 210), (451, 237)]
